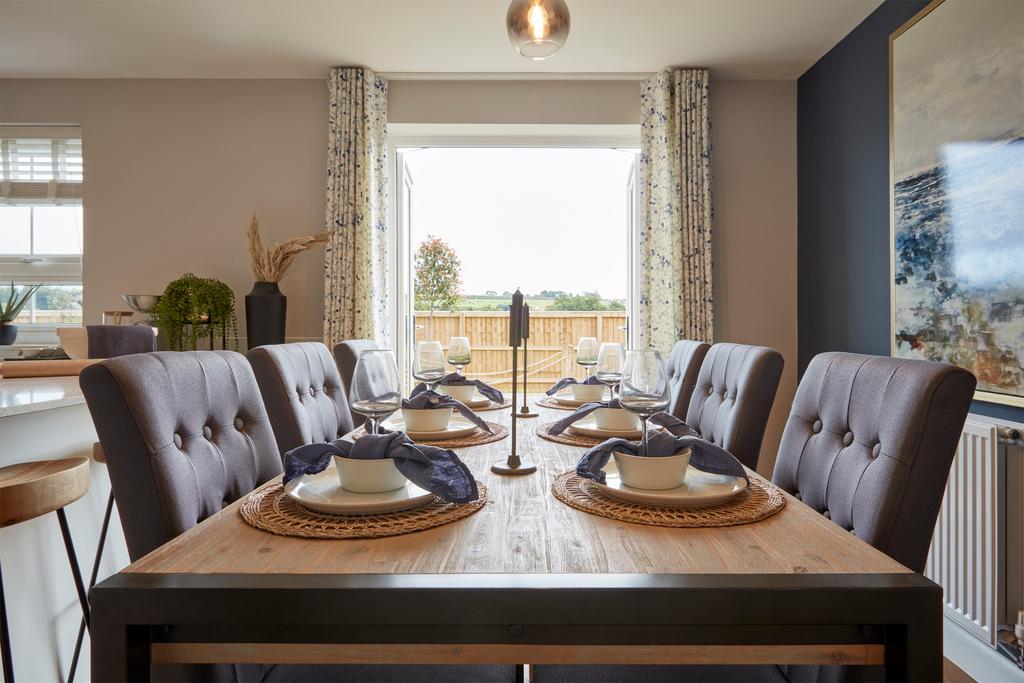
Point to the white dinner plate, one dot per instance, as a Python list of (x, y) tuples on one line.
[(588, 427), (478, 402), (458, 427), (322, 492), (698, 489), (567, 400)]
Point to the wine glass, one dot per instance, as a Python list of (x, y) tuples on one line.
[(428, 362), (586, 353), (459, 352), (644, 389), (610, 358), (375, 388)]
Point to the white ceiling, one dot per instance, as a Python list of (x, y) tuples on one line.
[(303, 38)]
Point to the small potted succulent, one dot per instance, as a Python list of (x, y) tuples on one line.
[(10, 308)]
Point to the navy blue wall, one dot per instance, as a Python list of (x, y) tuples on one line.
[(843, 202)]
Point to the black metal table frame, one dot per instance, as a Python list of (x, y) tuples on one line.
[(132, 611)]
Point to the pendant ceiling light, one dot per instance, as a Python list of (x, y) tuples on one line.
[(537, 28)]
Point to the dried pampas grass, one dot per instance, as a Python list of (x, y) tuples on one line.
[(270, 265)]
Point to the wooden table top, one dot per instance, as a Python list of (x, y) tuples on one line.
[(524, 529)]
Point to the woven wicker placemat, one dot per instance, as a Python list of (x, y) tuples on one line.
[(549, 402), (760, 500), (477, 438), (270, 509), (567, 437), (493, 406)]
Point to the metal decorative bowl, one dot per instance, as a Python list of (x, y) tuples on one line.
[(143, 303)]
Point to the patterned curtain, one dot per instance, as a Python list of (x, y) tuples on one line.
[(675, 210), (356, 265)]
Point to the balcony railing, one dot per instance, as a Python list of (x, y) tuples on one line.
[(553, 337)]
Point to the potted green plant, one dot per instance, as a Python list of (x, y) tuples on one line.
[(192, 307), (10, 308)]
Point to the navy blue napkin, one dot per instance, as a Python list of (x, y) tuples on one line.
[(580, 413), (568, 382), (437, 470), (429, 400), (454, 379), (704, 455)]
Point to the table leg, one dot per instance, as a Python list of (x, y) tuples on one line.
[(119, 651), (913, 651)]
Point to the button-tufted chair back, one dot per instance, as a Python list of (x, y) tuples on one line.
[(184, 435), (346, 354), (733, 397), (683, 366), (302, 391), (869, 444)]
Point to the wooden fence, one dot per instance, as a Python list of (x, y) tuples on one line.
[(553, 337)]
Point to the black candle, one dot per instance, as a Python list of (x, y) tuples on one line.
[(526, 321), (515, 319)]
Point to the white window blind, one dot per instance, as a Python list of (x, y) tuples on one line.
[(38, 166)]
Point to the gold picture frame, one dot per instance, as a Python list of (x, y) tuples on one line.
[(980, 395)]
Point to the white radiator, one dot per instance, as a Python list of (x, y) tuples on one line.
[(976, 551)]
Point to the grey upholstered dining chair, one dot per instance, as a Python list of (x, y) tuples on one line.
[(868, 444), (733, 397), (111, 341), (346, 354), (683, 366), (302, 391), (186, 434)]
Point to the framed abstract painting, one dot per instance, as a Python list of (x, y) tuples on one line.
[(956, 96)]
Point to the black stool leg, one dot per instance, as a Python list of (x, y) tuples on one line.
[(73, 561), (5, 636), (92, 582)]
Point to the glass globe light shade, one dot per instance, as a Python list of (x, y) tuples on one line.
[(537, 28)]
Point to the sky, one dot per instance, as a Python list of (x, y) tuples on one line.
[(536, 219)]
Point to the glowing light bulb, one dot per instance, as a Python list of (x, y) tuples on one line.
[(537, 28), (538, 20)]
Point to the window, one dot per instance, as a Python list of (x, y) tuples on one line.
[(41, 234), (555, 221)]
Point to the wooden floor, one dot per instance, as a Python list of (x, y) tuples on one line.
[(951, 673)]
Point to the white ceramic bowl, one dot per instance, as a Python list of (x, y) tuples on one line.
[(74, 341), (427, 419), (655, 474), (369, 476), (588, 393), (463, 394), (616, 419)]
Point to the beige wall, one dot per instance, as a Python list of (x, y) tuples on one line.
[(524, 102), (174, 168), (753, 130)]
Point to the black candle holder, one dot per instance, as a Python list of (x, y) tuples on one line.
[(513, 464), (525, 410)]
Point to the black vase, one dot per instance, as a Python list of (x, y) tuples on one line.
[(8, 333), (265, 311)]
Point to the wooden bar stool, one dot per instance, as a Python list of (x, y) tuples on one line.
[(33, 489), (98, 456)]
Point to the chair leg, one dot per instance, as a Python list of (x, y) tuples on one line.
[(69, 545), (5, 636), (92, 582)]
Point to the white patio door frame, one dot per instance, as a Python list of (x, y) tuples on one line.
[(415, 136)]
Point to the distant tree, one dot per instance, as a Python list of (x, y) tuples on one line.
[(438, 278), (588, 301), (550, 293), (490, 292), (616, 305)]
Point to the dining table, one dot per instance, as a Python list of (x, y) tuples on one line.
[(525, 580)]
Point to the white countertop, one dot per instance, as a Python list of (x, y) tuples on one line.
[(31, 394)]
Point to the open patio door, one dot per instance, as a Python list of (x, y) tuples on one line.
[(403, 330), (633, 248)]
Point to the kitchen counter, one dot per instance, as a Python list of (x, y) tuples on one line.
[(32, 394)]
